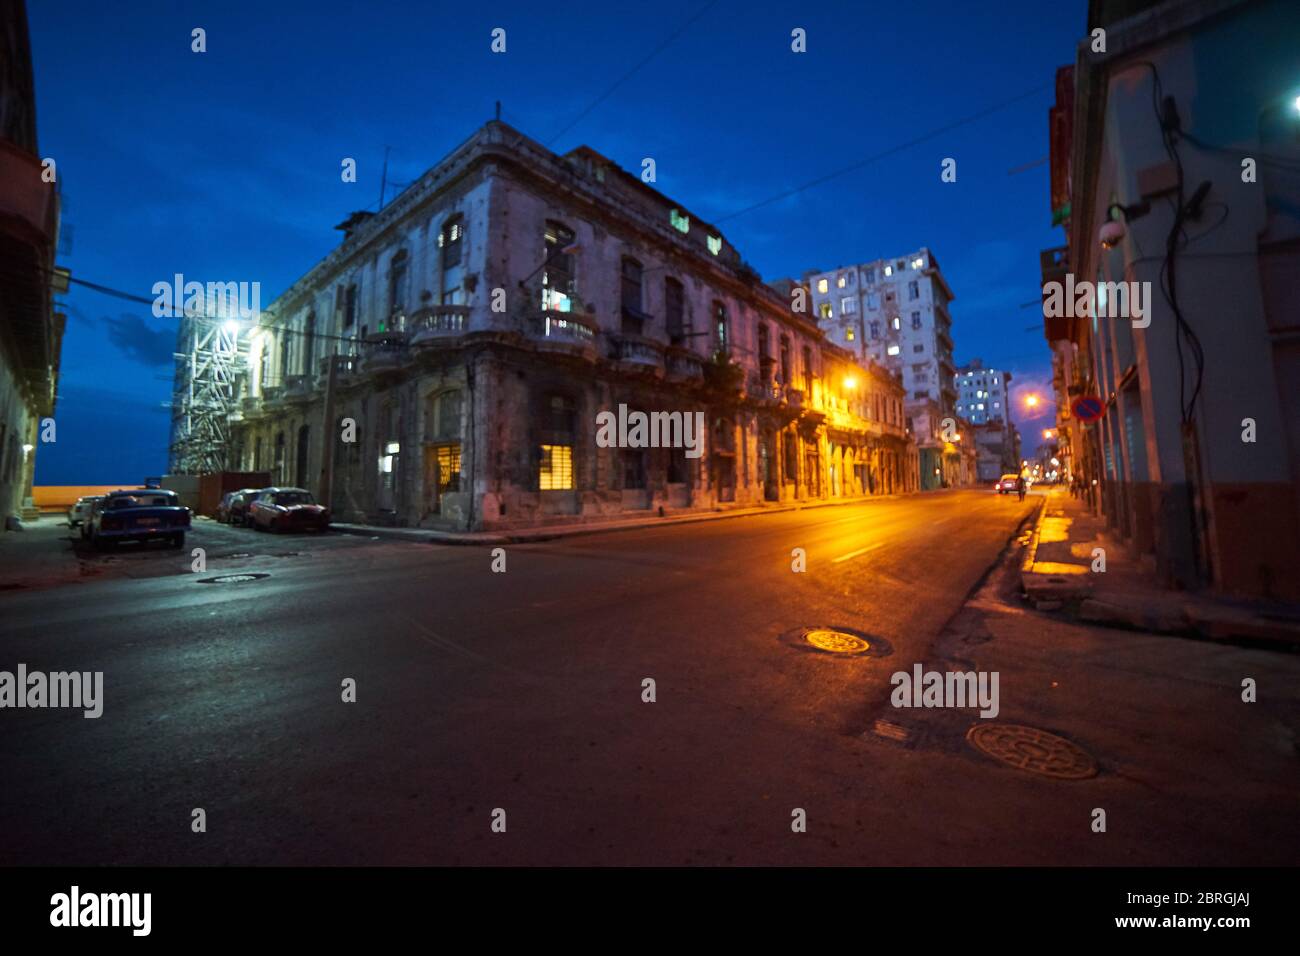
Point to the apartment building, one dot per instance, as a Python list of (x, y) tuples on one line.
[(444, 367), (1172, 170), (982, 400)]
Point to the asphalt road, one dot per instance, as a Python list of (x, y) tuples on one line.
[(519, 691)]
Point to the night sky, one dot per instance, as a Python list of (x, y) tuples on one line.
[(224, 166)]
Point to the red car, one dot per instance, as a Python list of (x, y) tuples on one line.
[(1006, 485), (287, 509)]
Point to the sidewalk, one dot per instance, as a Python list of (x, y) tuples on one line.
[(595, 526), (1057, 575)]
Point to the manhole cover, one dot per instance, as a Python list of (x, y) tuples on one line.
[(232, 578), (836, 642), (1027, 748)]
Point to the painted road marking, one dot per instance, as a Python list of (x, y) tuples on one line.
[(854, 554)]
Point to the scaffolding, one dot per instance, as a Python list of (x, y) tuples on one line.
[(211, 362)]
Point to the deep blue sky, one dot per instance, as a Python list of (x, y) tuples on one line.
[(225, 165)]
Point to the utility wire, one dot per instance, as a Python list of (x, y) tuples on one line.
[(965, 120), (642, 62)]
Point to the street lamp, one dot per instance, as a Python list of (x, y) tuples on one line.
[(850, 383)]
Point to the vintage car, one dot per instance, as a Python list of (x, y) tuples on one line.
[(1006, 485), (233, 508), (80, 512), (287, 509), (139, 515)]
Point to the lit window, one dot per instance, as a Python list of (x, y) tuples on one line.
[(715, 244), (898, 324), (840, 282), (825, 309), (848, 305), (848, 334), (822, 285), (892, 350), (918, 263), (889, 271), (556, 473), (679, 222)]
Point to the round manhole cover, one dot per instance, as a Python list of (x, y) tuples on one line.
[(841, 641), (232, 578), (836, 642), (1037, 751)]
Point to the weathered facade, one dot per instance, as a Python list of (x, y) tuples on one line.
[(445, 366), (31, 331)]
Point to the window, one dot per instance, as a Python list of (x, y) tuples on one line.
[(715, 244), (721, 339), (875, 330), (873, 300), (679, 222), (448, 461), (309, 343), (848, 334), (397, 269), (450, 241), (889, 271), (919, 347), (785, 360), (897, 323), (807, 370), (350, 306), (556, 472), (822, 285), (442, 416), (633, 462), (674, 311), (913, 290), (840, 281), (825, 310), (557, 273), (916, 320), (631, 284), (284, 356), (764, 354), (918, 262), (848, 305), (893, 350)]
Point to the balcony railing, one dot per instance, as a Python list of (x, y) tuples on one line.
[(437, 323), (297, 388), (561, 332), (683, 365), (639, 352), (385, 352)]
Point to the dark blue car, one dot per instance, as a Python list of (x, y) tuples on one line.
[(139, 515)]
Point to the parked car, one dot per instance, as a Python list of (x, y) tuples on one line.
[(287, 509), (139, 515), (1006, 485), (79, 512), (233, 509)]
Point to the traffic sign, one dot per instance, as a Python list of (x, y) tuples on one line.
[(1087, 408)]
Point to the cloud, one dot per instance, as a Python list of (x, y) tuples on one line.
[(141, 342)]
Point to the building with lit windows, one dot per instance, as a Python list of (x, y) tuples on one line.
[(444, 367)]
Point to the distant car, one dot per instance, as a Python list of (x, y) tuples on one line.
[(233, 509), (79, 512), (1006, 485), (287, 509), (140, 515)]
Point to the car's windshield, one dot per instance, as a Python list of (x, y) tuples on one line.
[(294, 498), (139, 501)]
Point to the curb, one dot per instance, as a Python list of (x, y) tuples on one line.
[(1031, 550), (530, 535)]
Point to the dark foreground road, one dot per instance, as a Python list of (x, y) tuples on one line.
[(523, 691)]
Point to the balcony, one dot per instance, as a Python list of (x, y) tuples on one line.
[(250, 406), (763, 388), (28, 205), (683, 365), (384, 352), (637, 353), (437, 324), (562, 332), (298, 388), (272, 397)]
